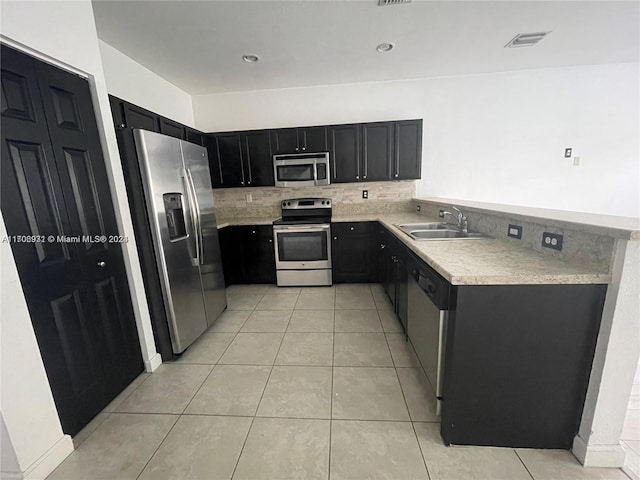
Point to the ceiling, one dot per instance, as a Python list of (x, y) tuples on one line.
[(198, 45)]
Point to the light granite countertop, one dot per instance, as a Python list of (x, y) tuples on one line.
[(471, 262)]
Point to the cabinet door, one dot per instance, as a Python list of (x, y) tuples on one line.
[(257, 158), (226, 168), (351, 253), (171, 128), (258, 254), (408, 150), (377, 150), (344, 152), (285, 140), (194, 136), (313, 139), (137, 117), (117, 111), (231, 251)]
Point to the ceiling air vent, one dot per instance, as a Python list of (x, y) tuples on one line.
[(526, 39), (383, 3)]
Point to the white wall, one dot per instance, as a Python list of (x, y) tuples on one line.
[(496, 138), (134, 83), (63, 33)]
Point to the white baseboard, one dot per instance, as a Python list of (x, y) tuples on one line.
[(153, 363), (48, 462), (608, 456)]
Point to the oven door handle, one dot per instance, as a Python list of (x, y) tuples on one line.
[(293, 229)]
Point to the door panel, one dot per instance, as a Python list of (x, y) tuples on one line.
[(377, 141), (257, 155), (408, 149), (344, 144), (137, 117), (285, 140), (314, 139), (173, 129), (54, 183)]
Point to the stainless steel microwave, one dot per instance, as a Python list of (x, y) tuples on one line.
[(301, 169)]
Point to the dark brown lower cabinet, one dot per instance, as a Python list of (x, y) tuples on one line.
[(517, 363), (351, 252), (248, 255)]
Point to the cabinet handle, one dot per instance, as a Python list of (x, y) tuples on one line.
[(364, 176), (102, 264), (351, 228), (122, 125), (270, 241), (253, 231), (357, 177), (382, 246), (246, 142), (242, 183), (335, 238)]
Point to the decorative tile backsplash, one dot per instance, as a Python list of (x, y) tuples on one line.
[(578, 246), (384, 197)]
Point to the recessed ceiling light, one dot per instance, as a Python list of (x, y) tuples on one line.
[(250, 58), (385, 47), (526, 39)]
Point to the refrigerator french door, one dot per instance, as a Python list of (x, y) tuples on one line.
[(179, 201)]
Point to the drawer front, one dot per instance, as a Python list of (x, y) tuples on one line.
[(343, 228)]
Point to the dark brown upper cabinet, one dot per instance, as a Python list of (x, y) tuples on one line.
[(299, 140), (172, 129), (240, 159), (344, 152), (377, 151), (408, 150)]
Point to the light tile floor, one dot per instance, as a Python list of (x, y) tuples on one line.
[(291, 383)]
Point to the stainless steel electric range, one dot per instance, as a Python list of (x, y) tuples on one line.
[(302, 240)]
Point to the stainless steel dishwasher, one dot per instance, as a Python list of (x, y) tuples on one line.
[(427, 323)]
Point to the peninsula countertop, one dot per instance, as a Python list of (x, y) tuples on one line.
[(471, 262)]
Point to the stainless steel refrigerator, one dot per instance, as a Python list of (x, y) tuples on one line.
[(179, 203)]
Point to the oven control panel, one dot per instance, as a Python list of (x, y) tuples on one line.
[(306, 203)]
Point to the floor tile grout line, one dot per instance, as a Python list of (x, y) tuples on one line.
[(333, 350), (523, 464), (130, 393), (158, 447), (235, 467), (424, 460)]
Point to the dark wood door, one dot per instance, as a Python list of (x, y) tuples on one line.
[(171, 128), (194, 136), (344, 152), (351, 252), (258, 255), (313, 139), (256, 154), (225, 159), (231, 251), (408, 150), (285, 140), (377, 150), (137, 117), (55, 190)]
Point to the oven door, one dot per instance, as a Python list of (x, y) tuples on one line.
[(302, 247)]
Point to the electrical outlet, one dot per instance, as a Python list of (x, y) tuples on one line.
[(552, 240), (515, 231), (418, 208), (248, 197), (365, 193), (567, 152)]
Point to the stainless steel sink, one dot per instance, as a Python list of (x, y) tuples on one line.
[(424, 226), (437, 231)]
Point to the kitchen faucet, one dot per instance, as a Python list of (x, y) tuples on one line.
[(461, 219)]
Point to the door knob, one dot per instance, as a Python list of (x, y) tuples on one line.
[(102, 264)]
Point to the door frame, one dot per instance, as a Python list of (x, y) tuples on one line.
[(111, 155)]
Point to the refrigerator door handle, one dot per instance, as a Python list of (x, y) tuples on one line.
[(192, 216), (198, 223)]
